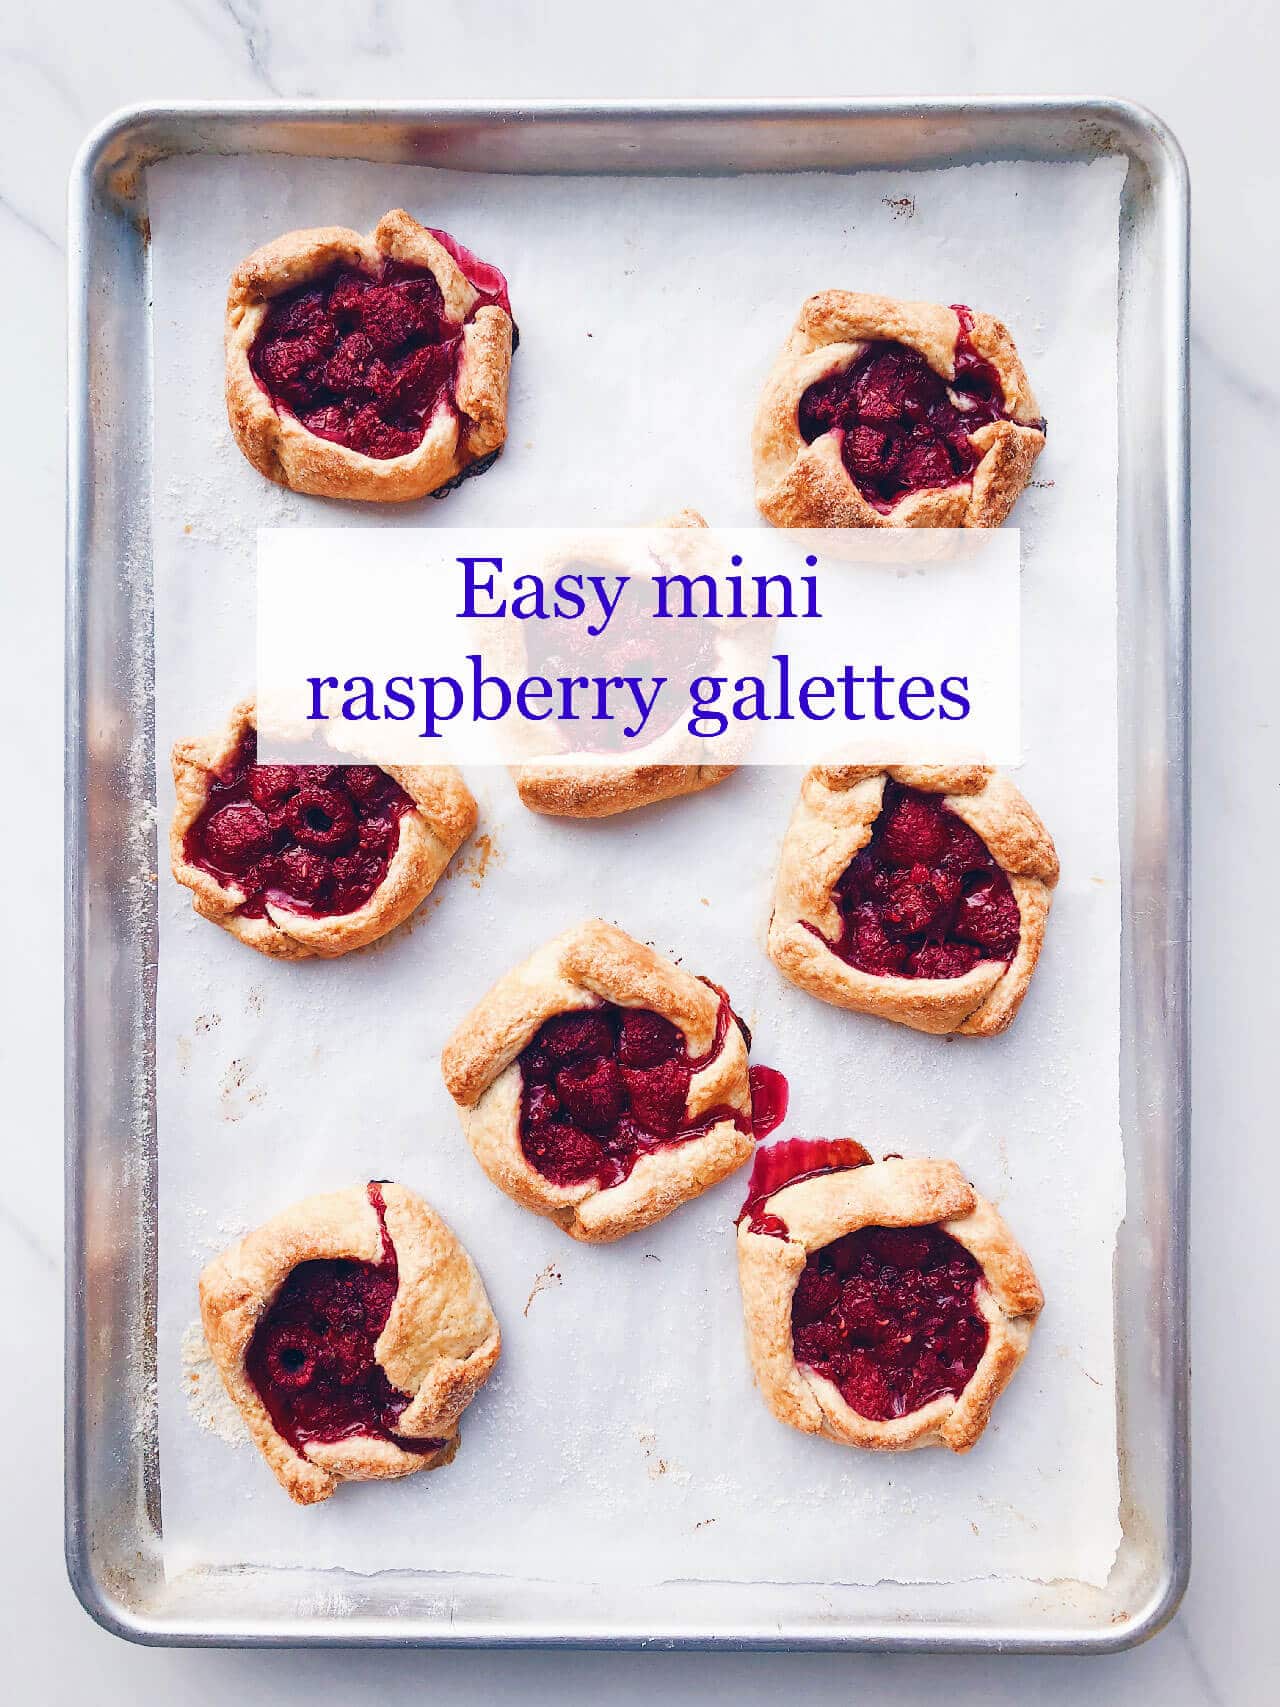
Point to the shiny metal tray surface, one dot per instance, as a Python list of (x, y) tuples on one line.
[(113, 1515)]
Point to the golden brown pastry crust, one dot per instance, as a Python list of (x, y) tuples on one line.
[(276, 442), (443, 816), (892, 1193), (833, 819), (440, 1341), (564, 790), (807, 485), (577, 791), (591, 963)]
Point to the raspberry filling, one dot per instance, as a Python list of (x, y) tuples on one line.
[(367, 359), (902, 427), (606, 1085), (315, 839), (785, 1164), (889, 1316), (924, 898), (311, 1356)]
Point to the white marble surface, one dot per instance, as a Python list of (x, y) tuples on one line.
[(1209, 72)]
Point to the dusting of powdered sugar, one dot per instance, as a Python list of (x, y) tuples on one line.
[(207, 1399)]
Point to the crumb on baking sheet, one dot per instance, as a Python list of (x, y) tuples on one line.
[(480, 854), (658, 1466), (549, 1276)]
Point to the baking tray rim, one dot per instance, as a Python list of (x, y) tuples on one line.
[(121, 146)]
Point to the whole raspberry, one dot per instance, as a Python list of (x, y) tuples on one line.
[(291, 1359), (320, 818), (389, 318), (882, 387), (237, 835), (271, 785), (591, 1092), (301, 873), (578, 1033), (348, 289), (870, 452), (291, 317), (913, 832), (372, 436), (565, 1155), (943, 960), (865, 878), (645, 1039), (420, 381), (423, 291), (866, 1391), (926, 463), (824, 406), (356, 877), (346, 368), (869, 946), (988, 915), (327, 422), (657, 1095), (346, 1360), (816, 1342), (915, 904), (367, 784), (288, 366)]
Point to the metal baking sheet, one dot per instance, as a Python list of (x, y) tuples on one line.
[(113, 1515)]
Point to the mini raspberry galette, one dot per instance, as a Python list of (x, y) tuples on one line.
[(301, 860), (887, 1304), (563, 788), (600, 1085), (351, 1331), (368, 367), (919, 893), (881, 413)]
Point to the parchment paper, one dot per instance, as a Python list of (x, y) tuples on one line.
[(621, 1438)]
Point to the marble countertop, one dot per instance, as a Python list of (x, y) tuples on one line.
[(1209, 73)]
